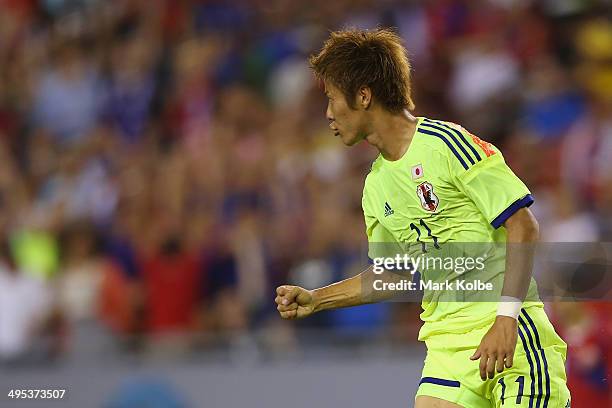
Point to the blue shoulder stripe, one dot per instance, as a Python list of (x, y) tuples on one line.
[(450, 146), (458, 133), (449, 134)]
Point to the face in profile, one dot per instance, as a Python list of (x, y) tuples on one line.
[(345, 122)]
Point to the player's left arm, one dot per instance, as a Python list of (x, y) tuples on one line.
[(502, 199), (497, 347)]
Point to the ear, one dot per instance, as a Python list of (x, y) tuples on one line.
[(364, 97)]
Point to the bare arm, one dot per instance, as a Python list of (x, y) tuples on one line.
[(354, 291), (523, 231), (498, 345), (296, 302)]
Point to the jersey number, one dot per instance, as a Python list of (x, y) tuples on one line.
[(519, 396), (429, 234)]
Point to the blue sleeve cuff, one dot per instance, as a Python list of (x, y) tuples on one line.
[(514, 207)]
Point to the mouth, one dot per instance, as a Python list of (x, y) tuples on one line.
[(334, 129)]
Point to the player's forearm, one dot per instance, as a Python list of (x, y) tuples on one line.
[(522, 234), (354, 291)]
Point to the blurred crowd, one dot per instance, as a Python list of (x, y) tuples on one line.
[(165, 165)]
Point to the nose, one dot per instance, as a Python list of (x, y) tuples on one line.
[(328, 113)]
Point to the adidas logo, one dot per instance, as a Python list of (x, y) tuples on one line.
[(388, 209)]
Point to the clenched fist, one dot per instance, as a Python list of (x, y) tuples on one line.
[(294, 302)]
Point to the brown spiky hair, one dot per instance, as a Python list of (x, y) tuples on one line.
[(352, 58)]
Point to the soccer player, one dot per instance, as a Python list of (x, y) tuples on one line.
[(435, 184)]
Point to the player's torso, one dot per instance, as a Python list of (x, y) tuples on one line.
[(418, 201), (415, 199)]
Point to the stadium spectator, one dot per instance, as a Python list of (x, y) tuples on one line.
[(191, 138)]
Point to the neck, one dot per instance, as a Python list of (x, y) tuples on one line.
[(391, 134)]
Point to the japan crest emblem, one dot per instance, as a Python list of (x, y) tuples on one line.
[(429, 200)]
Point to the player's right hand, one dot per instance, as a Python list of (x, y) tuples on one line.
[(294, 302)]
